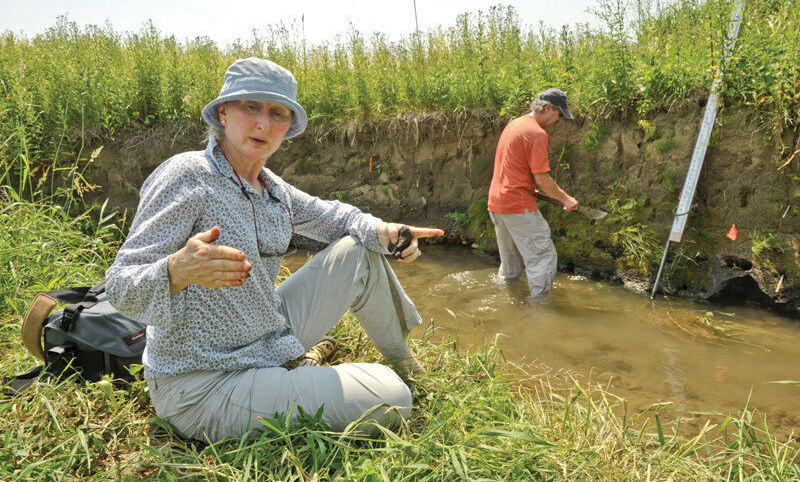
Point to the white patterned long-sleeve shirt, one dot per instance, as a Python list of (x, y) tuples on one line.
[(224, 328)]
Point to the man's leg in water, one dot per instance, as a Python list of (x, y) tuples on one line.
[(511, 262), (531, 237)]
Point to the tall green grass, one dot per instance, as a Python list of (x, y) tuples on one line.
[(66, 86), (474, 417)]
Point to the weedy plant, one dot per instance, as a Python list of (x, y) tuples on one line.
[(67, 85), (475, 416), (461, 219), (596, 134), (639, 248), (666, 145), (764, 243)]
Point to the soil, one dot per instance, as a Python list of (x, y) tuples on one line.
[(435, 170)]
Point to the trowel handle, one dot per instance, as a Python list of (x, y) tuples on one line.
[(590, 213), (546, 198)]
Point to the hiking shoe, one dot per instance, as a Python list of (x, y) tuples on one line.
[(319, 353), (409, 366)]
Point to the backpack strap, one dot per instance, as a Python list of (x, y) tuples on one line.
[(78, 299), (33, 323), (13, 386), (36, 317)]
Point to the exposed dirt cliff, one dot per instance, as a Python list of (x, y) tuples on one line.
[(430, 169)]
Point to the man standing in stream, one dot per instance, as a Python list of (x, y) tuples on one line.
[(520, 166)]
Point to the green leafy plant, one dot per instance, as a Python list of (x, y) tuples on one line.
[(649, 129), (666, 144), (461, 219), (479, 165), (386, 167), (670, 177), (639, 248), (596, 134), (763, 243), (625, 213)]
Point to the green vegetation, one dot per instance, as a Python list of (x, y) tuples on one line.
[(636, 242), (386, 167), (480, 226), (714, 327), (302, 166), (639, 248), (670, 177), (560, 158), (764, 242), (461, 219), (628, 212), (479, 165), (596, 134), (473, 419), (650, 130), (666, 144), (719, 327), (60, 87)]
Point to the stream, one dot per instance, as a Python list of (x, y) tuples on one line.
[(643, 351)]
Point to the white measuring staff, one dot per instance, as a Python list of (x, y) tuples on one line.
[(689, 186), (709, 116)]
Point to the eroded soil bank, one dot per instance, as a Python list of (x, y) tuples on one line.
[(430, 169)]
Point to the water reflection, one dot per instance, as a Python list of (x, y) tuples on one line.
[(587, 327)]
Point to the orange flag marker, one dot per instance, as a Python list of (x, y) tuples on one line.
[(370, 162), (732, 233)]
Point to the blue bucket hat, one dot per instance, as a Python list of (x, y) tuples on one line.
[(263, 81)]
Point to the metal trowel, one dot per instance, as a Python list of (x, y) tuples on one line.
[(590, 213)]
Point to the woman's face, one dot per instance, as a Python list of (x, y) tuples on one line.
[(253, 129)]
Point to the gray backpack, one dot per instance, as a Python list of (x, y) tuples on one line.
[(88, 338)]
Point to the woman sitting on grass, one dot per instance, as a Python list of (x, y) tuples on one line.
[(199, 268)]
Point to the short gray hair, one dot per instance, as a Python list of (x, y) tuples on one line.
[(538, 105), (218, 134)]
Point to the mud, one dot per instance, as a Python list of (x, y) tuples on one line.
[(435, 170)]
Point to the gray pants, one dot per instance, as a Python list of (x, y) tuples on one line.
[(524, 242), (216, 404)]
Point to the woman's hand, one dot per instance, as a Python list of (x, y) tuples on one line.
[(206, 264), (390, 232)]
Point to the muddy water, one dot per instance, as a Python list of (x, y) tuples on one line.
[(599, 330)]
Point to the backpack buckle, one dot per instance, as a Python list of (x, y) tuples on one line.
[(67, 350), (69, 315)]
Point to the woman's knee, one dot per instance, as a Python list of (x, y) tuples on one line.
[(395, 392), (347, 249), (379, 383), (393, 398), (347, 244)]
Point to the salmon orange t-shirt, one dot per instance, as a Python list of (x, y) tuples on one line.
[(521, 153)]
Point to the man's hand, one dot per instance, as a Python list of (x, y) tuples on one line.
[(390, 232), (570, 204), (548, 186), (206, 264)]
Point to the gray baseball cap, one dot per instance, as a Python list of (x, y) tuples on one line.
[(263, 81), (558, 99)]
